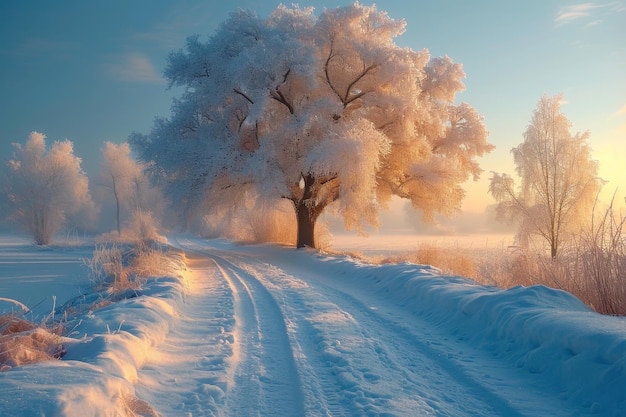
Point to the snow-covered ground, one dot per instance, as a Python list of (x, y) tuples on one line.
[(271, 331)]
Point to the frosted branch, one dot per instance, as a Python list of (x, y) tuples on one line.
[(243, 95), (277, 95), (363, 73)]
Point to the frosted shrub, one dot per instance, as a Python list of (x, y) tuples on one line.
[(143, 227), (47, 187), (260, 223), (275, 226)]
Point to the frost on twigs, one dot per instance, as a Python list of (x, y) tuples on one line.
[(323, 111)]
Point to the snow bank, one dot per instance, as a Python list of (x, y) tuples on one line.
[(542, 330), (110, 338)]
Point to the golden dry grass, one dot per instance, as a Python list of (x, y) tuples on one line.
[(23, 342), (593, 272)]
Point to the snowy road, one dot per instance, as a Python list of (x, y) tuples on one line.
[(269, 331), (273, 336)]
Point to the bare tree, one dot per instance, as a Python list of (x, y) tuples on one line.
[(45, 187), (559, 180)]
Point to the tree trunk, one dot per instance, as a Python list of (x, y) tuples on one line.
[(306, 225), (117, 206), (553, 250), (309, 206)]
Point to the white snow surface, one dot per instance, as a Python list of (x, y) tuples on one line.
[(270, 331)]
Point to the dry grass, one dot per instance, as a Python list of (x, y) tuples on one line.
[(451, 260), (147, 261), (107, 268), (597, 277), (143, 228), (126, 267), (592, 266), (23, 342)]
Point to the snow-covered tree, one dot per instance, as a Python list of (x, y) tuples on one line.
[(324, 111), (559, 180), (46, 187), (124, 177)]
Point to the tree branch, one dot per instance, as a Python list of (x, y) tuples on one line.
[(277, 95), (326, 65), (359, 77), (243, 95), (346, 98)]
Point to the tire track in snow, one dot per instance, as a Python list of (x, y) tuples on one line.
[(337, 359), (349, 352), (266, 381), (448, 389), (359, 360), (461, 381), (349, 363)]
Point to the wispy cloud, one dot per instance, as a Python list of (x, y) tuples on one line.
[(594, 23), (32, 47), (621, 112), (591, 14), (134, 67), (569, 14)]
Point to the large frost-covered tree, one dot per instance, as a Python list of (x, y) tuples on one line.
[(559, 180), (44, 187), (321, 110)]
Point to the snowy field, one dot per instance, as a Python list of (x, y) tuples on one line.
[(270, 331), (405, 241)]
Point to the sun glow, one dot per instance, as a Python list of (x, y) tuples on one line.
[(612, 159)]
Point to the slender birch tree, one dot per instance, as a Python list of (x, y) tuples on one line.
[(559, 179), (124, 176)]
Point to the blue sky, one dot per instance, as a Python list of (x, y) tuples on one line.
[(91, 71)]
